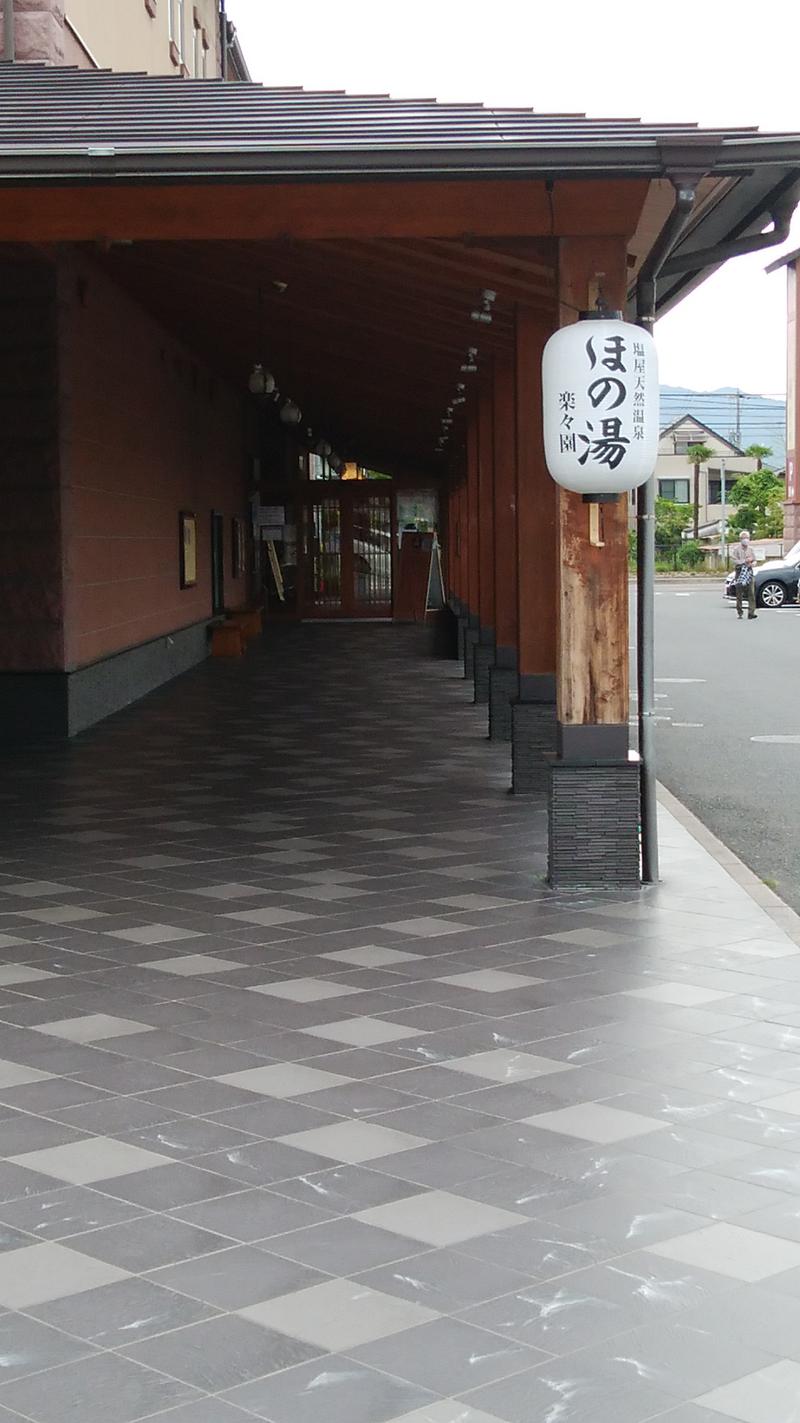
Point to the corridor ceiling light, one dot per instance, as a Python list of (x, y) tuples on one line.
[(290, 413), (471, 363), (484, 312), (260, 381)]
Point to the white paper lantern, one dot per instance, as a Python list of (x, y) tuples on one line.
[(600, 400)]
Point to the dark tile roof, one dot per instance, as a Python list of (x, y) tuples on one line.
[(62, 111)]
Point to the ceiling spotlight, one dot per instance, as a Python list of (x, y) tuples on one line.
[(290, 413), (280, 287), (260, 381), (484, 312), (459, 399)]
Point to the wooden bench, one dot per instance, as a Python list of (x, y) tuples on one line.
[(227, 641), (248, 620)]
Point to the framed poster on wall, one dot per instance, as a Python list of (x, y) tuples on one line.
[(237, 548), (187, 549)]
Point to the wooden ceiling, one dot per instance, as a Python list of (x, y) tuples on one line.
[(368, 336)]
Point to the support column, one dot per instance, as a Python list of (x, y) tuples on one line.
[(533, 715), (484, 650), (504, 673), (471, 629), (594, 795)]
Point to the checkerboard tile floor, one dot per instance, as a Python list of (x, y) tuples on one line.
[(316, 1106)]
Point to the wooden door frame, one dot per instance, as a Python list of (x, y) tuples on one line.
[(346, 492)]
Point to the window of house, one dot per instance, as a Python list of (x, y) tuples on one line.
[(683, 443), (176, 9), (675, 489), (715, 486)]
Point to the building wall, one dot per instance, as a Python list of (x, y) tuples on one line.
[(132, 35), (146, 432), (31, 602), (126, 35)]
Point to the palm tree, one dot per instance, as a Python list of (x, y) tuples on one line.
[(697, 455), (759, 453)]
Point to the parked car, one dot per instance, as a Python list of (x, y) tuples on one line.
[(776, 580)]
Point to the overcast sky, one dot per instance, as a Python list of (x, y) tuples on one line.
[(685, 60)]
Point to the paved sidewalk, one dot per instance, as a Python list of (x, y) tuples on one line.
[(316, 1106)]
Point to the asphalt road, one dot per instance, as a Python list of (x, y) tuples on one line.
[(741, 682)]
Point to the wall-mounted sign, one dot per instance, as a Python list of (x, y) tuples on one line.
[(271, 515), (600, 402)]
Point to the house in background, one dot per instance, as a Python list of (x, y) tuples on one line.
[(187, 38), (675, 474)]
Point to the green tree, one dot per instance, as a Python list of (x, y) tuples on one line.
[(697, 455), (758, 507), (759, 453), (670, 525)]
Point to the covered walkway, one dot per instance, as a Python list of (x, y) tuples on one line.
[(318, 1107)]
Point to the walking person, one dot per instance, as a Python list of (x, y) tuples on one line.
[(744, 575)]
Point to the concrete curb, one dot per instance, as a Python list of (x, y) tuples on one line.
[(780, 913)]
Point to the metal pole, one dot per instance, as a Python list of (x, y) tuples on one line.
[(9, 42), (646, 552), (723, 533)]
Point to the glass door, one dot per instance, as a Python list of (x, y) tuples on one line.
[(347, 553)]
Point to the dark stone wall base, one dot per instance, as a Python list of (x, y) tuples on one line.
[(594, 824), (483, 659), (39, 705), (503, 690), (471, 636), (463, 624), (533, 739)]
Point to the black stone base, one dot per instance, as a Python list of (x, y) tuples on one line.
[(470, 643), (482, 661), (40, 705), (533, 739), (503, 690), (594, 824), (461, 635)]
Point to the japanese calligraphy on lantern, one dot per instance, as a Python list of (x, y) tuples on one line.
[(600, 399)]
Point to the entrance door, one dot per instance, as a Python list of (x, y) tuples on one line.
[(217, 563), (348, 552)]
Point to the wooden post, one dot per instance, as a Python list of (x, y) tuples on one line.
[(594, 791), (533, 715), (593, 662), (484, 651), (505, 514), (472, 545), (503, 674)]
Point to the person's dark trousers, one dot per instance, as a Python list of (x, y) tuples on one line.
[(750, 590)]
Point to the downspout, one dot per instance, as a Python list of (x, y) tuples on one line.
[(659, 261), (9, 40), (646, 546), (223, 39)]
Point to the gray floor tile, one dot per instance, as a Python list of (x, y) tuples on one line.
[(347, 1189), (116, 1315), (582, 1395), (342, 1247), (253, 1215), (445, 1281), (448, 1356), (66, 1211), (237, 1277), (148, 1242), (221, 1353), (344, 1390), (27, 1347), (103, 1389)]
